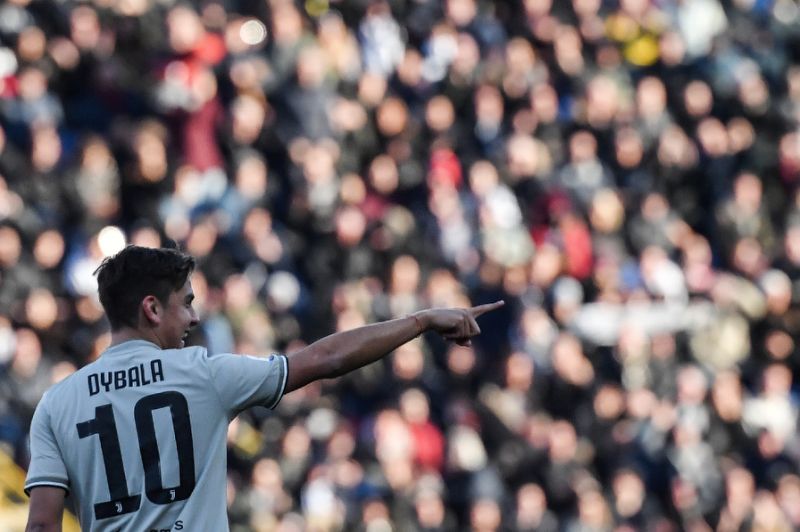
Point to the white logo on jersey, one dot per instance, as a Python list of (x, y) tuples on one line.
[(172, 495), (118, 505)]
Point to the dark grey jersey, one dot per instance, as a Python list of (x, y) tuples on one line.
[(138, 437)]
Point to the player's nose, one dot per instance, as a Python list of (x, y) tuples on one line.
[(194, 318)]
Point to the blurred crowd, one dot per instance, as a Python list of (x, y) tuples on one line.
[(624, 173)]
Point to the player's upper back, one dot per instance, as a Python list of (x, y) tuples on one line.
[(141, 434)]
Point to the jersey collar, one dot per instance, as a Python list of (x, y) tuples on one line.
[(127, 345)]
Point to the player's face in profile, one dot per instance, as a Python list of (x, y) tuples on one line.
[(179, 317)]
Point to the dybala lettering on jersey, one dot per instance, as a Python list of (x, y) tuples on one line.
[(133, 377)]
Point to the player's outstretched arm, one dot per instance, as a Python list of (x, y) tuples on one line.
[(345, 351), (46, 509)]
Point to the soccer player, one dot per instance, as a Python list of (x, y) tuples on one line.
[(138, 437)]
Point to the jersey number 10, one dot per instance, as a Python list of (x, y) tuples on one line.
[(105, 427)]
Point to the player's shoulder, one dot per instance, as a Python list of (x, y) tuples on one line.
[(194, 352), (62, 391), (72, 379), (192, 359)]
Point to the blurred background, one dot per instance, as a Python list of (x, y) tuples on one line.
[(624, 173)]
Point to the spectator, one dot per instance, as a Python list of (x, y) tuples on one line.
[(625, 176)]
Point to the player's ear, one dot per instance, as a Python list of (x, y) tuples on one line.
[(151, 308)]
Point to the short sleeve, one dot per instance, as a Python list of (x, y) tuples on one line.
[(47, 466), (243, 381)]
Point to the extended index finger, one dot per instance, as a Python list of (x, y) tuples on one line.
[(483, 309)]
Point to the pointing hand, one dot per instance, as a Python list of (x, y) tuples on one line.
[(457, 324)]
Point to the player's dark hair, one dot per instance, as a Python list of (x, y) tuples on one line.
[(136, 272)]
